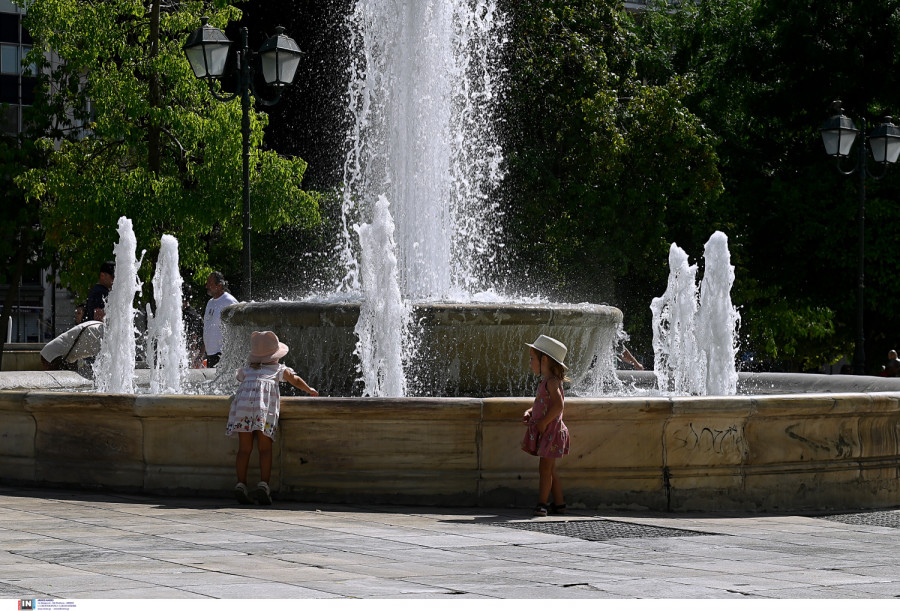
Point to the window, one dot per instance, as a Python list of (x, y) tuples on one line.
[(9, 119), (9, 27), (31, 68), (9, 59), (9, 89)]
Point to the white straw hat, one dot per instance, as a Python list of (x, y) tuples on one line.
[(553, 348)]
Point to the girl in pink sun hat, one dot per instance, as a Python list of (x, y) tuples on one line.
[(255, 408), (547, 435)]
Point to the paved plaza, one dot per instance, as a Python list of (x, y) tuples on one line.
[(71, 545)]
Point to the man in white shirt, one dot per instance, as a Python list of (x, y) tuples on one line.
[(213, 340), (80, 342)]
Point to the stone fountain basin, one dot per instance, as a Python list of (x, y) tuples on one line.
[(464, 349), (822, 451)]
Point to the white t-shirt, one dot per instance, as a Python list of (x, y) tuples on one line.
[(79, 342), (212, 322)]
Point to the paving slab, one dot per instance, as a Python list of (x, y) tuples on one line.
[(69, 545)]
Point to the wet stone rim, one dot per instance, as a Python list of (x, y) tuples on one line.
[(599, 530)]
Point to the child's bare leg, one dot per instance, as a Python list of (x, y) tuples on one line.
[(245, 447), (545, 470), (264, 446), (556, 487)]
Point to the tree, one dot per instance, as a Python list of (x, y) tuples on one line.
[(604, 172), (765, 75), (135, 134), (21, 236)]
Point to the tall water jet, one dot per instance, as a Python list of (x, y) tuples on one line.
[(114, 366), (421, 96), (718, 320), (381, 346), (166, 347), (674, 343), (695, 330)]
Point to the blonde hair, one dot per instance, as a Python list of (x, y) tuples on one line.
[(257, 364), (557, 370)]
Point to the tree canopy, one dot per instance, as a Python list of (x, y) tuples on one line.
[(133, 133), (766, 73), (605, 171)]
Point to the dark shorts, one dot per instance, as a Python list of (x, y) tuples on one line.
[(213, 359)]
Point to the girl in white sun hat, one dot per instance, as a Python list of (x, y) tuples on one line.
[(255, 408), (547, 435)]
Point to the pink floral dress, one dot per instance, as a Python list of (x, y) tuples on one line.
[(554, 442), (257, 401)]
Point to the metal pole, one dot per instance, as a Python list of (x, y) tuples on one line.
[(859, 358), (245, 83)]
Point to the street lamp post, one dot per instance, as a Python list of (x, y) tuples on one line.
[(838, 134), (207, 51)]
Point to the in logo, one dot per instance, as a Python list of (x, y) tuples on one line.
[(26, 604)]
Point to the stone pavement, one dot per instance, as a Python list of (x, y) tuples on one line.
[(72, 545)]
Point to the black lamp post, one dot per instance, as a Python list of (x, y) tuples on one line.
[(838, 135), (207, 51)]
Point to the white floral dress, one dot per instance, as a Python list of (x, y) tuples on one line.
[(257, 401)]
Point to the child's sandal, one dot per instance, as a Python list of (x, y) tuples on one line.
[(557, 510), (540, 510)]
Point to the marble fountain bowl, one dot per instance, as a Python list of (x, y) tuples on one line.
[(463, 349)]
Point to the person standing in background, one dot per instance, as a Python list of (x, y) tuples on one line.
[(95, 305), (213, 340)]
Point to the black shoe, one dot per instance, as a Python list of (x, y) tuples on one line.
[(262, 494), (242, 494), (540, 510)]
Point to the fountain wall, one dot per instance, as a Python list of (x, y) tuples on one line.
[(743, 453)]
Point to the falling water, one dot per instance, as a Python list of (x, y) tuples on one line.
[(694, 339), (166, 350), (421, 96), (114, 366)]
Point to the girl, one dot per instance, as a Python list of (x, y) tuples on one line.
[(547, 435), (254, 410)]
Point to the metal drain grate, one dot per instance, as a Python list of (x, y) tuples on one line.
[(888, 519), (599, 530)]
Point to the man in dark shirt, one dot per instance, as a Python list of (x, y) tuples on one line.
[(96, 299)]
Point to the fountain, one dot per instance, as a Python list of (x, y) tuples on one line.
[(695, 340), (411, 315), (411, 318)]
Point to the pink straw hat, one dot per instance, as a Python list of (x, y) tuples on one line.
[(264, 347)]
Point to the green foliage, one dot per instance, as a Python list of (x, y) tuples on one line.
[(604, 170), (765, 73), (109, 123)]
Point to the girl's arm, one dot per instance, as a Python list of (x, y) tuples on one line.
[(295, 380), (556, 404), (526, 417)]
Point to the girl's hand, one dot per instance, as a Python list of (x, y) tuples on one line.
[(526, 417), (312, 392), (541, 425)]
